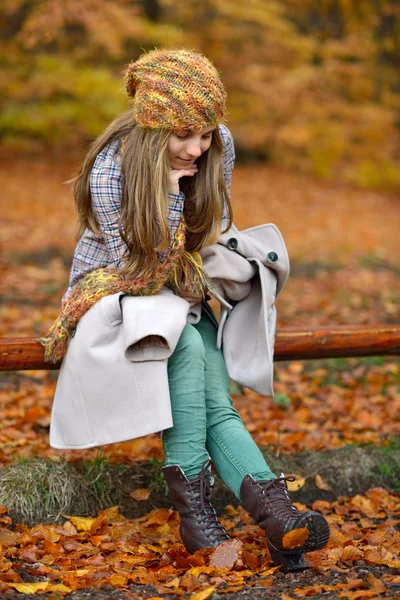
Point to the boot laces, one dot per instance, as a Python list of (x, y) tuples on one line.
[(201, 487), (276, 497)]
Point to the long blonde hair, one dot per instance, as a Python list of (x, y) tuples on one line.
[(144, 205)]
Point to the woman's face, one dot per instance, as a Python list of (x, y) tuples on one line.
[(184, 149)]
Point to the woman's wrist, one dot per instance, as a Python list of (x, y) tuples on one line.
[(174, 190)]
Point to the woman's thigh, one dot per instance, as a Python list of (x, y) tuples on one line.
[(217, 393)]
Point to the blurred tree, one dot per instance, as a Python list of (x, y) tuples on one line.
[(312, 84), (61, 64)]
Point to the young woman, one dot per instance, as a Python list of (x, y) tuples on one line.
[(157, 173)]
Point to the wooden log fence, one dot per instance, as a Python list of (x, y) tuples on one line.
[(17, 354)]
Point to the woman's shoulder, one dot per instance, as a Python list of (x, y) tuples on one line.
[(229, 148), (225, 134), (109, 155)]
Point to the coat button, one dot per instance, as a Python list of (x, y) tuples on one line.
[(232, 243), (272, 257)]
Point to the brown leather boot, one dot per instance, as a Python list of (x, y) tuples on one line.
[(200, 527), (268, 502)]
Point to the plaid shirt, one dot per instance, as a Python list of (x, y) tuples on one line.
[(96, 251)]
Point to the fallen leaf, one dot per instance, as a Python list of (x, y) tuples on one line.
[(250, 559), (118, 580), (312, 590), (112, 513), (376, 585), (364, 505), (295, 538), (226, 554), (81, 523), (29, 588), (58, 587), (203, 594), (140, 494), (174, 583), (296, 367), (321, 483), (351, 553), (293, 486), (269, 571), (392, 578)]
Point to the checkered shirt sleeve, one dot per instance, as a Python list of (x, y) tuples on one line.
[(108, 249)]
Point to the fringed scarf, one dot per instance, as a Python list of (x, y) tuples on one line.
[(181, 271)]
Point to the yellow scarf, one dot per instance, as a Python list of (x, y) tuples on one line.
[(181, 271)]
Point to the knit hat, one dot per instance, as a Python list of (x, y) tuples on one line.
[(175, 89)]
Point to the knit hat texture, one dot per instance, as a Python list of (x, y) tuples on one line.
[(175, 89)]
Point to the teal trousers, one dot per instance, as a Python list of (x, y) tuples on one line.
[(205, 422)]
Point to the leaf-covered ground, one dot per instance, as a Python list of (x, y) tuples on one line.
[(361, 560), (345, 251)]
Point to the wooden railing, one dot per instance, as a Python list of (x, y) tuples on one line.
[(291, 344)]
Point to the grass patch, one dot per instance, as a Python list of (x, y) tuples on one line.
[(98, 481), (377, 263), (389, 466), (38, 491), (157, 484)]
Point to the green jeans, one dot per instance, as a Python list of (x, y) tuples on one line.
[(205, 422)]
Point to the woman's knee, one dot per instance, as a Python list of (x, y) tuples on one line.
[(191, 343), (223, 415)]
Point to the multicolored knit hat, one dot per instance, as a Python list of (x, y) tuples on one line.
[(175, 89)]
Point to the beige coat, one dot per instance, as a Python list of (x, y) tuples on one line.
[(250, 268), (109, 391)]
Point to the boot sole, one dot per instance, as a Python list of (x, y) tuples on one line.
[(319, 532), (293, 560), (290, 562)]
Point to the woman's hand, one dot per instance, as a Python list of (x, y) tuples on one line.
[(193, 300), (176, 174)]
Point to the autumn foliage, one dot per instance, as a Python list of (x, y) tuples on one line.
[(311, 85)]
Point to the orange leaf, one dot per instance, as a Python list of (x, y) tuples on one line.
[(312, 590), (112, 513), (250, 560), (321, 483), (140, 494), (269, 571), (295, 538), (159, 516), (351, 553), (376, 585), (226, 554), (296, 367), (174, 583), (364, 505)]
